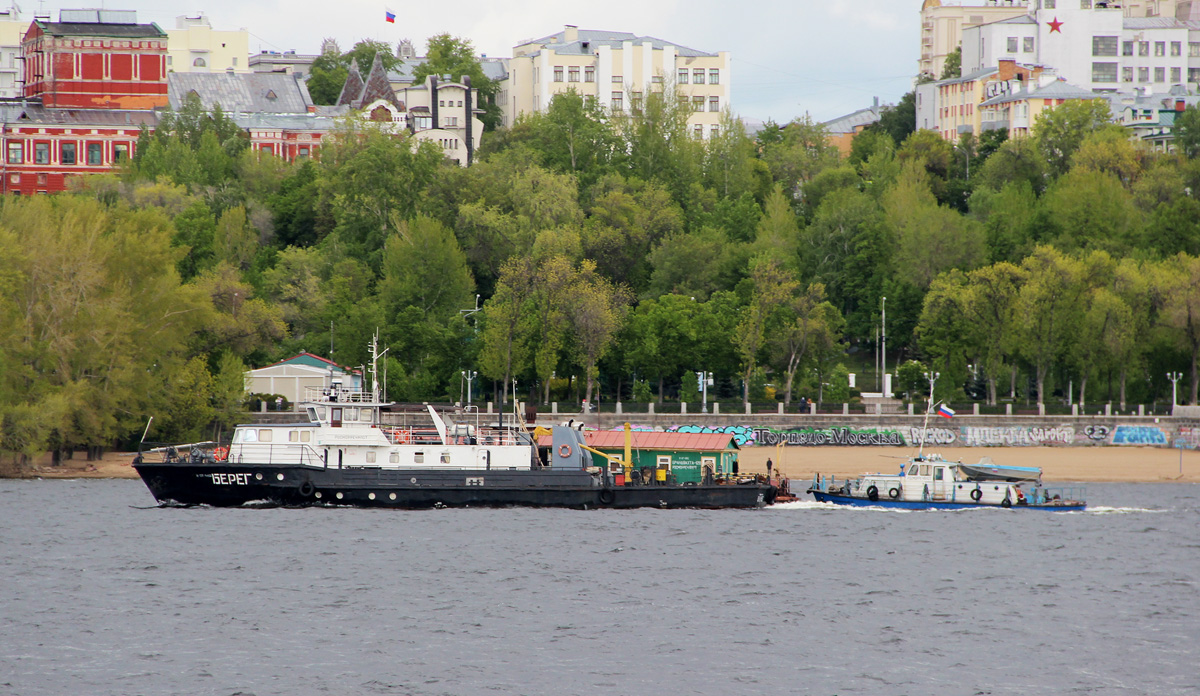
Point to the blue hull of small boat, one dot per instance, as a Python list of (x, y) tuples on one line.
[(932, 505)]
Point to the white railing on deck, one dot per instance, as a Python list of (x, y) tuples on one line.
[(340, 395)]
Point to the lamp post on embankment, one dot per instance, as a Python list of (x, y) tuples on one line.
[(1174, 377)]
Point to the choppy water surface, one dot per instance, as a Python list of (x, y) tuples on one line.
[(101, 593)]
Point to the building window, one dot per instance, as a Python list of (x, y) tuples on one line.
[(169, 61), (558, 73), (199, 63), (635, 100), (1085, 4), (1048, 4), (1104, 45), (1176, 48), (1012, 44), (683, 76), (1028, 40), (1126, 74), (1143, 74), (68, 153), (714, 76), (573, 73), (714, 103), (95, 153), (303, 152), (698, 76), (589, 74), (41, 153), (1127, 48), (1176, 74), (618, 101), (1143, 48), (1193, 74), (1104, 72), (698, 131), (617, 80), (120, 152), (16, 153), (442, 102), (235, 61), (450, 122), (714, 131), (1194, 49), (1160, 74), (698, 103), (1160, 48)]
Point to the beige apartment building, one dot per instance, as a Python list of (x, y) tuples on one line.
[(12, 31), (616, 69), (194, 46)]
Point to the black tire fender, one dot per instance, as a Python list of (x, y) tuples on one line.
[(872, 493), (1006, 503), (894, 492), (976, 494), (306, 489), (607, 497)]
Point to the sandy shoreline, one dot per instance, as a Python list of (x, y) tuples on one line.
[(1088, 464)]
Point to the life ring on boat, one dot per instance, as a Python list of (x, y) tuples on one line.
[(402, 437), (221, 454), (564, 450), (607, 496), (872, 493), (1006, 503), (893, 493), (307, 488), (976, 494)]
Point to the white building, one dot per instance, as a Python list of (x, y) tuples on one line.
[(194, 46), (1095, 45), (615, 68), (12, 32)]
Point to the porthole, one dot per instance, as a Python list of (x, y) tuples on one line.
[(279, 476), (339, 496), (258, 476), (371, 496), (318, 494), (392, 496)]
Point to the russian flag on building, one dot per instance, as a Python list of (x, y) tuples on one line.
[(945, 411), (389, 16)]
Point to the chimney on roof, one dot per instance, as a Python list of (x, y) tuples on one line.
[(570, 33)]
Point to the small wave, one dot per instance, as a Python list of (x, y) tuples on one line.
[(1104, 510)]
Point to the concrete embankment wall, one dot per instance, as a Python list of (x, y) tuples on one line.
[(889, 430), (904, 431)]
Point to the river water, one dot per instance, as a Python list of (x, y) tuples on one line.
[(103, 593)]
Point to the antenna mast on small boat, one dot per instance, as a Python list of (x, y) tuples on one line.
[(375, 356), (932, 377)]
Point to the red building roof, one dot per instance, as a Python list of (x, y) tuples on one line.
[(615, 439)]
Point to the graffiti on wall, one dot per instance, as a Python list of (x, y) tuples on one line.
[(817, 437), (1139, 435), (1187, 438), (1017, 436), (967, 436)]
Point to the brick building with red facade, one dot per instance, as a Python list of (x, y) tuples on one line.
[(93, 80)]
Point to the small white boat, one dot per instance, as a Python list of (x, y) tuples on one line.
[(928, 482)]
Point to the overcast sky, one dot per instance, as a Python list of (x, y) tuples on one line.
[(827, 57)]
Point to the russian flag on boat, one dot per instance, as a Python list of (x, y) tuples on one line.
[(389, 16), (945, 411)]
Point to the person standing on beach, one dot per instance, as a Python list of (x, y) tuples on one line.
[(769, 464)]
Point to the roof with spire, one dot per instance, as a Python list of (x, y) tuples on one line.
[(357, 93)]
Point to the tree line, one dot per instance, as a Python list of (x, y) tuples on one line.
[(609, 253)]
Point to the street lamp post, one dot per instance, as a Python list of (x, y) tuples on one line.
[(1174, 377), (705, 380), (469, 375), (883, 354)]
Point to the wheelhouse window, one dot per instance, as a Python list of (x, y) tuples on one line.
[(418, 457), (445, 457), (265, 435), (370, 457), (394, 458)]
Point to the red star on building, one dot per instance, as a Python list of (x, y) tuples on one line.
[(1056, 26)]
